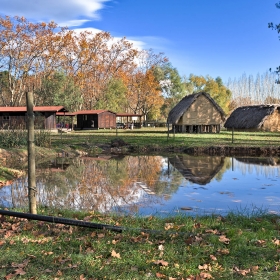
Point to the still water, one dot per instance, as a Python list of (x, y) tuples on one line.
[(154, 185)]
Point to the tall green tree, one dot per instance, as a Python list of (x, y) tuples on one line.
[(60, 90), (171, 86), (113, 98)]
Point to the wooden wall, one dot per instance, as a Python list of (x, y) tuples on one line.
[(96, 121)]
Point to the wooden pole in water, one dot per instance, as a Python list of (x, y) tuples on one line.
[(31, 154)]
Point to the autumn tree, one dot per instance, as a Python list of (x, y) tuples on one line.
[(144, 93), (214, 87), (94, 61), (26, 49)]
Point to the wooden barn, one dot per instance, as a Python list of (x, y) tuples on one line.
[(95, 119), (16, 117), (254, 118), (197, 169), (196, 113)]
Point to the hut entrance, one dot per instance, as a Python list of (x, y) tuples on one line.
[(197, 128)]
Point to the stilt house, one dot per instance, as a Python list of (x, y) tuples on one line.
[(254, 118), (196, 113)]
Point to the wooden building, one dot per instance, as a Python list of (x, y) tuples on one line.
[(129, 119), (196, 113), (95, 119), (16, 117), (197, 169), (254, 118)]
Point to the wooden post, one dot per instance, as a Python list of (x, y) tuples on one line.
[(167, 131), (31, 154)]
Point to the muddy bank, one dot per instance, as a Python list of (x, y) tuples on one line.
[(234, 151)]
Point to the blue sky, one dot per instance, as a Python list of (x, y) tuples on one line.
[(225, 38)]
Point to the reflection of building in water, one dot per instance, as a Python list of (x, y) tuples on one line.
[(197, 169), (270, 161), (267, 166)]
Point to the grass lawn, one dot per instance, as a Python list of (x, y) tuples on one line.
[(212, 247), (159, 138)]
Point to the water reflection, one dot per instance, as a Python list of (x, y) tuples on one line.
[(198, 170), (152, 184)]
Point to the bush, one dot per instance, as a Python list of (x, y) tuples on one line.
[(43, 138), (13, 138)]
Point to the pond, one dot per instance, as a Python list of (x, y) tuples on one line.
[(154, 185)]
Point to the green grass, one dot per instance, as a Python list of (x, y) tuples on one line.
[(157, 138), (231, 247)]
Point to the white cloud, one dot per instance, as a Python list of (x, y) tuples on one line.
[(137, 43), (68, 12)]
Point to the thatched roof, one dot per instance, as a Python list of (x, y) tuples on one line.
[(178, 111), (248, 117), (198, 170)]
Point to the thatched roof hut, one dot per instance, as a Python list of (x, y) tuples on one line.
[(257, 117), (197, 112)]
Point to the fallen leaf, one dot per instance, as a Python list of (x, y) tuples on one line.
[(161, 262), (160, 275), (161, 247), (254, 268), (9, 276), (205, 267), (260, 242), (275, 241), (214, 231), (189, 241), (205, 275), (224, 239), (213, 258), (223, 251), (242, 272), (2, 218), (115, 255), (20, 271), (168, 226)]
